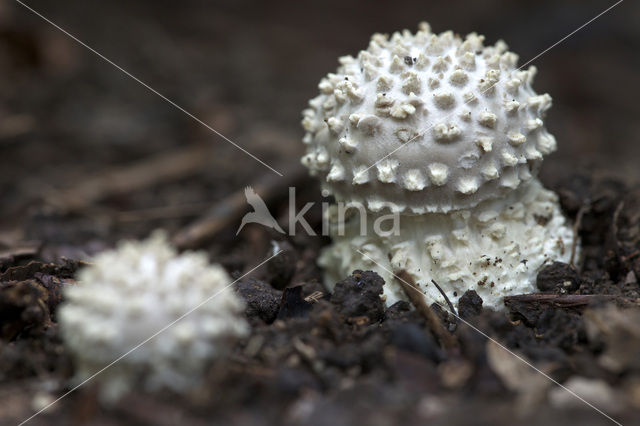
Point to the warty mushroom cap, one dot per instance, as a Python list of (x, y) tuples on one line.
[(423, 123), (127, 295)]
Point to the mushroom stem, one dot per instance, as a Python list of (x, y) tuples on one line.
[(496, 248)]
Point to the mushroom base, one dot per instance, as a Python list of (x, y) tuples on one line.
[(497, 248)]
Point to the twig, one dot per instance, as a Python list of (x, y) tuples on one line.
[(143, 174), (614, 224), (314, 297), (576, 228), (559, 300), (15, 125), (446, 299), (163, 212), (433, 320), (230, 208), (18, 251), (630, 256)]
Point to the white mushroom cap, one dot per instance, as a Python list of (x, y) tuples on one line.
[(128, 295), (426, 123)]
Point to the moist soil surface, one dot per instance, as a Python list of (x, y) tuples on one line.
[(88, 157)]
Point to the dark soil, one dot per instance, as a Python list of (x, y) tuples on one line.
[(315, 358), (88, 157)]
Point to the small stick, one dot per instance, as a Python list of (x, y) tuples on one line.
[(576, 227), (163, 212), (230, 208), (160, 168), (559, 300), (446, 299), (433, 320), (15, 125), (18, 251), (614, 223), (630, 256), (314, 297)]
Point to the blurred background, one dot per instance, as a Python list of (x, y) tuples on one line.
[(88, 154)]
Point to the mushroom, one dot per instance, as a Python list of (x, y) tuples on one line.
[(131, 294), (449, 135)]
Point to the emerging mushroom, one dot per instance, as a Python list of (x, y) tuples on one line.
[(127, 296), (448, 134)]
